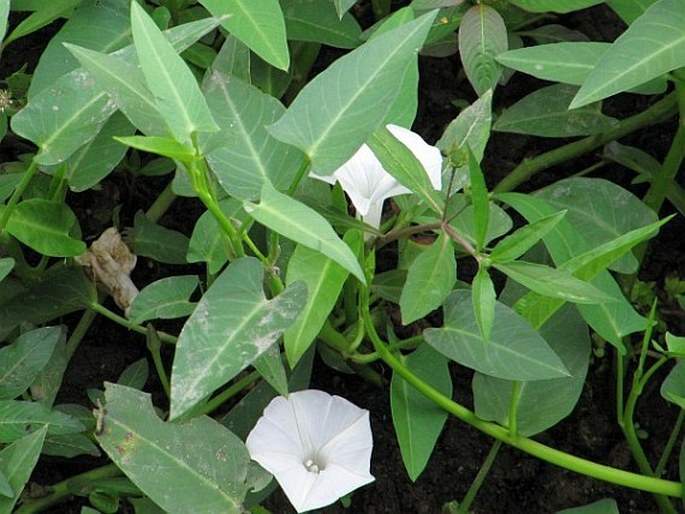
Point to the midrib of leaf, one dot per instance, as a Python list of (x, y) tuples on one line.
[(505, 349), (360, 90), (28, 223), (181, 105), (173, 458), (256, 26), (320, 282), (408, 425), (18, 364), (69, 121), (244, 133)]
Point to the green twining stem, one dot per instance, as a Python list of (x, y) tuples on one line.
[(663, 109), (16, 195), (534, 448)]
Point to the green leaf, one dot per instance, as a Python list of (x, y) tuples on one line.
[(417, 420), (205, 465), (259, 25), (430, 279), (5, 486), (6, 265), (518, 243), (402, 164), (21, 361), (673, 387), (629, 10), (91, 163), (482, 37), (163, 146), (556, 283), (17, 416), (248, 156), (653, 45), (541, 404), (232, 325), (303, 225), (342, 6), (566, 62), (484, 299), (514, 351), (604, 506), (147, 239), (167, 298), (357, 91), (560, 6), (207, 242), (125, 83), (270, 366), (470, 129), (45, 15), (102, 26), (177, 94), (324, 279), (545, 113), (17, 462), (599, 210), (135, 375), (62, 290), (4, 14), (465, 224), (319, 22), (45, 225), (388, 285)]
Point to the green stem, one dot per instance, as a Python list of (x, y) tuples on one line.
[(161, 204), (539, 450), (299, 176), (79, 332), (662, 109), (104, 311), (513, 408), (16, 195), (480, 478), (63, 490), (154, 344), (224, 395), (670, 444)]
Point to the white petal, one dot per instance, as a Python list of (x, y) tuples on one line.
[(428, 155)]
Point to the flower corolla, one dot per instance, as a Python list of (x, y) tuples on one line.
[(368, 184), (318, 447)]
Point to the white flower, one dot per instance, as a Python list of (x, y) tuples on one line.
[(368, 184), (317, 446)]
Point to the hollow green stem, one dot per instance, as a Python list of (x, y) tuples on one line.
[(475, 486), (16, 195), (62, 490), (663, 109), (161, 204), (539, 450)]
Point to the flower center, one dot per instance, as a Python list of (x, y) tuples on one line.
[(314, 466)]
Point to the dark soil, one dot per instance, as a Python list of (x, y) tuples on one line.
[(517, 483)]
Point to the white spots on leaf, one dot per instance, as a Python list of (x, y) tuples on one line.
[(538, 67)]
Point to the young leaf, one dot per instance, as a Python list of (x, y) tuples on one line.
[(166, 298), (479, 200), (552, 282), (17, 462), (484, 299), (45, 225), (147, 239), (21, 361), (163, 146), (417, 420), (545, 113), (303, 225), (653, 45), (248, 156), (46, 14), (518, 243), (137, 441), (207, 242), (177, 94), (402, 164), (259, 25), (135, 375), (515, 351), (232, 325), (430, 279), (336, 112), (482, 37), (324, 279), (470, 129)]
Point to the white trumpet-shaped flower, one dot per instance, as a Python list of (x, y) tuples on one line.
[(368, 184), (317, 446)]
